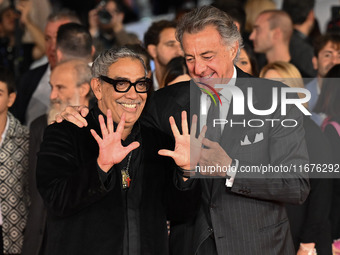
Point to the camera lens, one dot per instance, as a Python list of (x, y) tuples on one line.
[(104, 16)]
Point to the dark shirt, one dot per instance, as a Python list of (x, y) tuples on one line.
[(301, 52), (131, 196)]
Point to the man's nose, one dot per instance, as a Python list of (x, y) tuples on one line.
[(131, 93), (199, 68), (54, 94), (252, 36)]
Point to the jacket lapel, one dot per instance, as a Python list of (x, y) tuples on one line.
[(230, 138)]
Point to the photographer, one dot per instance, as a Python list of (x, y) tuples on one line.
[(106, 26), (15, 54)]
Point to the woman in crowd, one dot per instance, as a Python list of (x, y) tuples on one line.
[(247, 61), (176, 71)]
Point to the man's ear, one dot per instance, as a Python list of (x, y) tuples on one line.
[(152, 50), (84, 89), (11, 98), (96, 87), (277, 33), (315, 63)]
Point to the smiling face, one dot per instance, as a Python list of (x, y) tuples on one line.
[(327, 58), (131, 103), (208, 59)]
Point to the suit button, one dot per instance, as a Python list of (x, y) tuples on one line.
[(210, 230)]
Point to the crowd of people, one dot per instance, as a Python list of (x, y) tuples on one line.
[(125, 145)]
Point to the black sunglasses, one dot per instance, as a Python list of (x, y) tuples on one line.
[(122, 86)]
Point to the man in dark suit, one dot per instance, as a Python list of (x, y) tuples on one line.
[(33, 92), (243, 214), (106, 189), (70, 83)]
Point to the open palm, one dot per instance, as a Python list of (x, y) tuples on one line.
[(111, 150), (187, 147)]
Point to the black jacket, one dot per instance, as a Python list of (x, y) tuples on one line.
[(87, 216)]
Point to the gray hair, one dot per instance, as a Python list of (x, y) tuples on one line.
[(197, 20), (64, 14), (106, 58), (83, 73)]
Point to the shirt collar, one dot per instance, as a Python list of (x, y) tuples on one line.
[(225, 92)]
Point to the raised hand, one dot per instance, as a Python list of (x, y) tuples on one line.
[(24, 7), (111, 150), (187, 147)]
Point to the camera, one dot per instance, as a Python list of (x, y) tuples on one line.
[(104, 16)]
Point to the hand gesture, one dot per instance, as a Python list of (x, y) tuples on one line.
[(111, 150), (187, 147), (117, 22), (214, 155), (24, 7), (74, 114)]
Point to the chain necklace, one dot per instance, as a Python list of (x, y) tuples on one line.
[(126, 180)]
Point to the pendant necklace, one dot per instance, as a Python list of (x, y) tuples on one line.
[(126, 180)]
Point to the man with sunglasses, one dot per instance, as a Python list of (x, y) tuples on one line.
[(106, 189)]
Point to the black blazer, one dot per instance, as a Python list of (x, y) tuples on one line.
[(249, 217), (309, 222), (86, 216), (29, 83)]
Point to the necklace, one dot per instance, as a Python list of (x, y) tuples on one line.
[(126, 180)]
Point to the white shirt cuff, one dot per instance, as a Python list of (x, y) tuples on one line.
[(231, 173)]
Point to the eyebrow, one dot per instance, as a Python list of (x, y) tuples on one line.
[(329, 51), (201, 54), (125, 79), (207, 52)]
